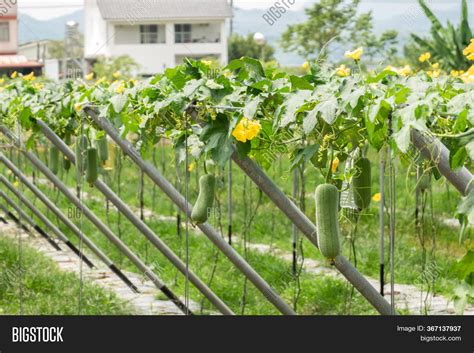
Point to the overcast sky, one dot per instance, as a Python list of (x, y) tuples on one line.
[(46, 9)]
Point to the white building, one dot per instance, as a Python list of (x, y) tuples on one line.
[(157, 34)]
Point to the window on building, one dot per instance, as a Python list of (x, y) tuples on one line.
[(183, 33), (148, 34), (4, 32)]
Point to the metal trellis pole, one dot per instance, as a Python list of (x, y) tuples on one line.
[(58, 213), (140, 225), (179, 200), (46, 221)]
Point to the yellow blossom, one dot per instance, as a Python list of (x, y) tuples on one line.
[(38, 86), (335, 164), (434, 73), (470, 57), (191, 167), (468, 77), (405, 71), (305, 66), (377, 197), (343, 71), (14, 75), (424, 57), (355, 54), (469, 50), (90, 76), (390, 68), (78, 107), (101, 80), (2, 81), (29, 77), (435, 66), (120, 88), (117, 74), (246, 130), (227, 74), (16, 184), (207, 62)]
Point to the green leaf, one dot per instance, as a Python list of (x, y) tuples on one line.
[(251, 108), (328, 110), (118, 102), (466, 207), (464, 267)]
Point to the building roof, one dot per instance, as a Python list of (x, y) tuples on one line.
[(132, 10), (17, 61)]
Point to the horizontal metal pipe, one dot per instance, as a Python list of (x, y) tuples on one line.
[(139, 224), (181, 202)]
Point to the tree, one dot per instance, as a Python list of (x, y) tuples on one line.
[(240, 46), (336, 22), (446, 43), (110, 68)]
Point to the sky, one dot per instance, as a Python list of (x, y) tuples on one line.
[(47, 9)]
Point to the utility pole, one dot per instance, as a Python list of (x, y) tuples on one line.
[(73, 65)]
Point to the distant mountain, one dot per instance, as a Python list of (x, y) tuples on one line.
[(32, 29), (404, 16)]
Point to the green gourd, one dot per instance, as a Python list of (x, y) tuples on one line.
[(362, 184), (82, 145), (103, 148), (327, 220), (54, 160), (92, 172), (205, 200), (66, 161)]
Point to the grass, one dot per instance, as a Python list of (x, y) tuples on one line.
[(318, 295), (38, 287)]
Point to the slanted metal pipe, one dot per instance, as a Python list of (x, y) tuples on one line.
[(181, 202), (139, 224), (46, 221), (98, 223), (28, 219), (435, 151)]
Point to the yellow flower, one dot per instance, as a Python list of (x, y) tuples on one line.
[(117, 74), (16, 184), (405, 71), (469, 50), (335, 164), (424, 57), (343, 71), (305, 66), (470, 57), (101, 80), (14, 75), (120, 88), (90, 76), (227, 74), (468, 77), (77, 107), (434, 73), (435, 66), (38, 86), (191, 167), (29, 77), (377, 197), (2, 81), (246, 130), (390, 68), (356, 54), (207, 62)]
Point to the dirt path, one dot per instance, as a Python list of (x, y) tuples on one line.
[(144, 303)]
